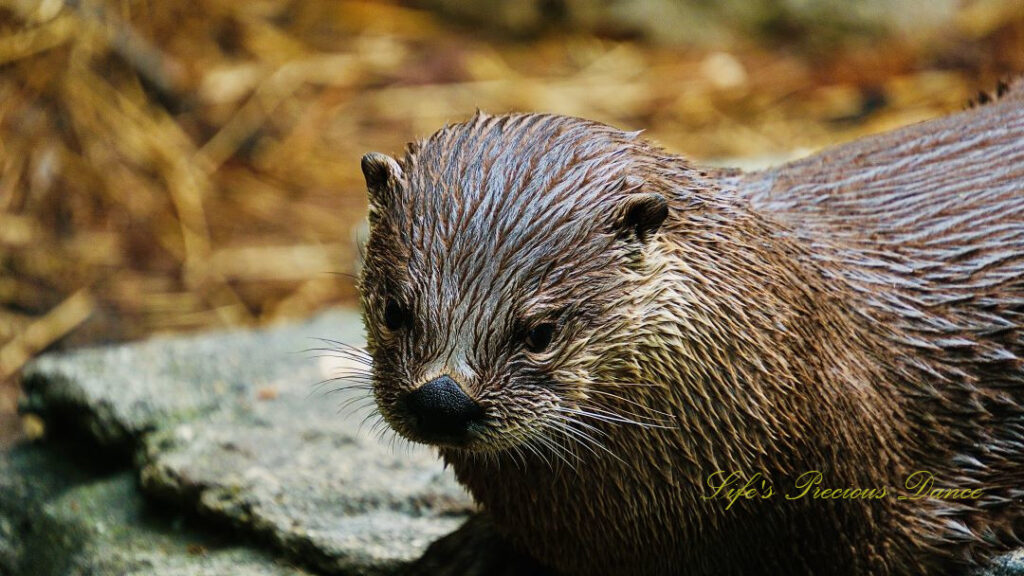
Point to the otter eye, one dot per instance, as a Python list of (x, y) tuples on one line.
[(394, 315), (539, 337)]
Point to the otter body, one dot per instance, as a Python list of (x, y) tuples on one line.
[(639, 367)]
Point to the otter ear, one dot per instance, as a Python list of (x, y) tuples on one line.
[(382, 174), (641, 213)]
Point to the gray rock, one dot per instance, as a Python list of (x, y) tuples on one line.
[(118, 393), (294, 471), (232, 426), (1009, 565), (58, 518)]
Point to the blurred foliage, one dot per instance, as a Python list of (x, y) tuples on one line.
[(170, 166)]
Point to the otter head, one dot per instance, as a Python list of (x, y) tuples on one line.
[(502, 282)]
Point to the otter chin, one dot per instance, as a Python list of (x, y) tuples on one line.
[(589, 328)]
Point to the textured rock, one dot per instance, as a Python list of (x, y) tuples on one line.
[(58, 518), (233, 426), (293, 470), (1009, 565), (119, 393)]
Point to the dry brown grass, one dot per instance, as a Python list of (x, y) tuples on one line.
[(172, 166)]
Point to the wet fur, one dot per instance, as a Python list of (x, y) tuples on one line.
[(858, 313)]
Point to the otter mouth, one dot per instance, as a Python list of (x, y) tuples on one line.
[(468, 440)]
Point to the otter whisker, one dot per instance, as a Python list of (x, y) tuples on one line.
[(489, 458), (344, 346), (345, 377), (355, 352), (640, 419), (520, 459), (349, 350), (617, 384), (377, 418), (339, 354), (574, 436), (341, 384), (586, 425), (591, 432), (558, 450), (361, 370), (547, 443), (350, 412), (347, 384), (356, 370), (351, 376), (355, 404), (583, 438), (360, 386), (538, 446), (624, 414), (628, 401), (336, 349), (528, 445), (361, 389), (380, 429), (360, 401), (523, 461), (399, 442), (612, 418)]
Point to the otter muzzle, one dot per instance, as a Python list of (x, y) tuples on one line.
[(440, 408)]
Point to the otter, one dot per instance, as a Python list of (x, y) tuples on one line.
[(638, 366)]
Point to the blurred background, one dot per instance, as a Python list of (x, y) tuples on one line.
[(168, 167)]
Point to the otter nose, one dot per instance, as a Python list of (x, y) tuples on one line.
[(440, 407)]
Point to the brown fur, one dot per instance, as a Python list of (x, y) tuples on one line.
[(858, 313)]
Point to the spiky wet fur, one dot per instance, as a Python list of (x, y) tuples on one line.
[(858, 313)]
